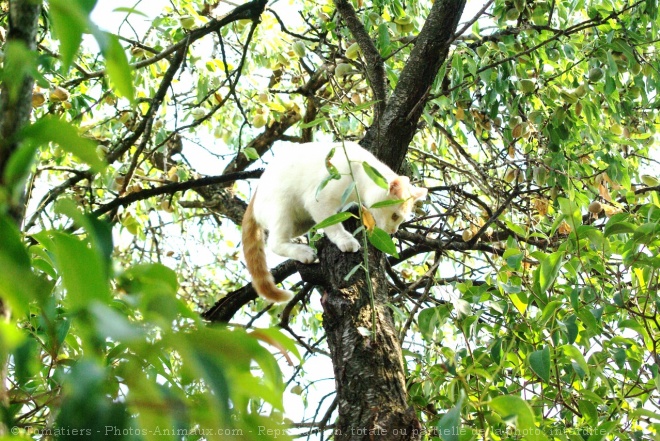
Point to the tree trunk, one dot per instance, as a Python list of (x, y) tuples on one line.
[(368, 367), (14, 114), (15, 108)]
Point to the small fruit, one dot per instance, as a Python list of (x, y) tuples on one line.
[(467, 235), (158, 124), (375, 17), (519, 130), (172, 174), (616, 129), (299, 48), (553, 54), (38, 99), (138, 52), (353, 51), (581, 91), (527, 85), (404, 20), (166, 206), (258, 121), (343, 69), (511, 175), (595, 207), (650, 181), (187, 21), (58, 94), (596, 74), (512, 14), (514, 121), (198, 113)]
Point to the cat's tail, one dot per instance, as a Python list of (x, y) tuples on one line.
[(255, 259)]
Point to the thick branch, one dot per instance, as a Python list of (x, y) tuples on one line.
[(16, 100), (225, 308), (390, 138), (173, 188), (374, 61)]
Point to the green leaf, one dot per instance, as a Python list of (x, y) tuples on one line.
[(387, 203), (19, 164), (111, 324), (571, 210), (325, 182), (375, 176), (130, 11), (149, 278), (449, 424), (539, 361), (313, 123), (384, 40), (83, 273), (334, 173), (70, 21), (18, 285), (430, 319), (17, 62), (514, 408), (276, 335), (332, 220), (347, 193), (99, 231), (547, 272), (574, 354), (589, 412), (382, 241), (251, 153), (51, 129), (119, 71), (352, 271)]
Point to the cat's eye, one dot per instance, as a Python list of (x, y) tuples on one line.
[(395, 217)]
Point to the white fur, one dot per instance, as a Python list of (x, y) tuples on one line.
[(286, 202)]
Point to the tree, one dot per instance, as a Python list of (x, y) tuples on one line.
[(521, 303)]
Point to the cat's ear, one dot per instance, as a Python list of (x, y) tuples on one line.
[(418, 193), (398, 186)]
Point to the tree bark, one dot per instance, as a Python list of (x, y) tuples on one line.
[(14, 114), (368, 366), (389, 136), (15, 110)]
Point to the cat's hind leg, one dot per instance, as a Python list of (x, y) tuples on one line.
[(279, 241)]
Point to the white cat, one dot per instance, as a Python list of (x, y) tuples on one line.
[(287, 203)]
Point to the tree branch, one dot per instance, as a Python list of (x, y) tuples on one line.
[(389, 138), (16, 99), (374, 61), (225, 308), (173, 188)]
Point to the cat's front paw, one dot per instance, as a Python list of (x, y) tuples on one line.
[(348, 244), (306, 255)]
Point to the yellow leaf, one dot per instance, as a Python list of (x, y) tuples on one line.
[(604, 193), (368, 219)]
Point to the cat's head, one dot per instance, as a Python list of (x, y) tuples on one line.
[(390, 217)]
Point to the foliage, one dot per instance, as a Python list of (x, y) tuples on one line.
[(526, 294)]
